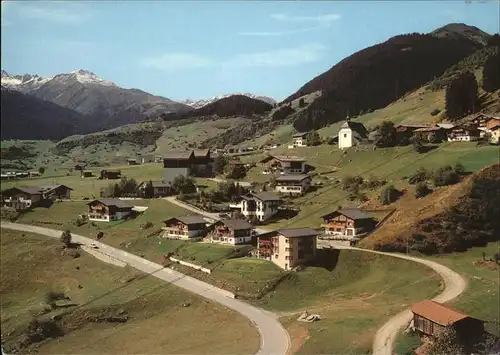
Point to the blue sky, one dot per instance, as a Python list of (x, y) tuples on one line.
[(201, 49)]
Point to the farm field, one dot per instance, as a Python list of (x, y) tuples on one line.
[(481, 299), (158, 317)]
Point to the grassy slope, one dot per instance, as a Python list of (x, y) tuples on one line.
[(33, 265), (481, 299), (180, 137), (392, 164), (354, 299)]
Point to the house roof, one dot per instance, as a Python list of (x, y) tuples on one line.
[(421, 125), (25, 189), (189, 219), (357, 127), (201, 152), (112, 202), (299, 134), (493, 123), (181, 155), (297, 232), (352, 213), (265, 196), (298, 177), (52, 187), (429, 129), (446, 125), (156, 183), (289, 158), (236, 224), (438, 313)]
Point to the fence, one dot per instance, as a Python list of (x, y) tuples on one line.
[(194, 266)]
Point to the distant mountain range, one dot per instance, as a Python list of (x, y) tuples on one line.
[(204, 102)]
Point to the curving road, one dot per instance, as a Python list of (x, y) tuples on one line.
[(274, 339), (454, 285)]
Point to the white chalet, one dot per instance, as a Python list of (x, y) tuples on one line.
[(262, 205), (298, 140), (293, 184)]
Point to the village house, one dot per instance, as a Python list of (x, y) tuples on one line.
[(185, 163), (158, 159), (493, 127), (287, 248), (230, 231), (439, 133), (177, 164), (160, 189), (108, 209), (351, 134), (430, 318), (132, 162), (299, 140), (22, 198), (480, 121), (283, 164), (111, 174), (347, 224), (185, 227), (405, 131), (463, 133), (203, 163), (293, 184), (262, 205)]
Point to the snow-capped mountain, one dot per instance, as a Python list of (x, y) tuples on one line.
[(200, 103), (107, 104), (28, 82)]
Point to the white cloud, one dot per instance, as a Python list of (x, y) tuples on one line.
[(289, 57), (318, 22), (177, 61), (61, 12)]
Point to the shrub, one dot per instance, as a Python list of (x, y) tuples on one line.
[(421, 190), (100, 235), (417, 144), (65, 237), (388, 195), (313, 138), (41, 170), (459, 169), (419, 176), (387, 135), (351, 183), (373, 183), (73, 253), (445, 176), (331, 141)]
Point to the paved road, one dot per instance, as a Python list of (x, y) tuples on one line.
[(385, 337), (274, 339)]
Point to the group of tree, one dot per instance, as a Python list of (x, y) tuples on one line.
[(148, 191), (443, 176), (313, 138), (389, 195), (386, 135), (183, 185), (126, 187), (236, 171), (491, 73), (461, 97)]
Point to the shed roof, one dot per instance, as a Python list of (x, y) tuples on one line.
[(297, 232), (112, 202), (201, 152), (181, 155), (438, 313), (299, 134), (429, 129), (352, 213), (236, 224), (25, 189), (189, 219), (265, 196), (297, 177), (52, 187), (289, 158)]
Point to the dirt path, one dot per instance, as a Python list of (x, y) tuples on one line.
[(454, 285)]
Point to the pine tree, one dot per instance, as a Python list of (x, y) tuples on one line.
[(461, 96), (491, 73)]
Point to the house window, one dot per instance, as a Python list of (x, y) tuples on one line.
[(345, 135)]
